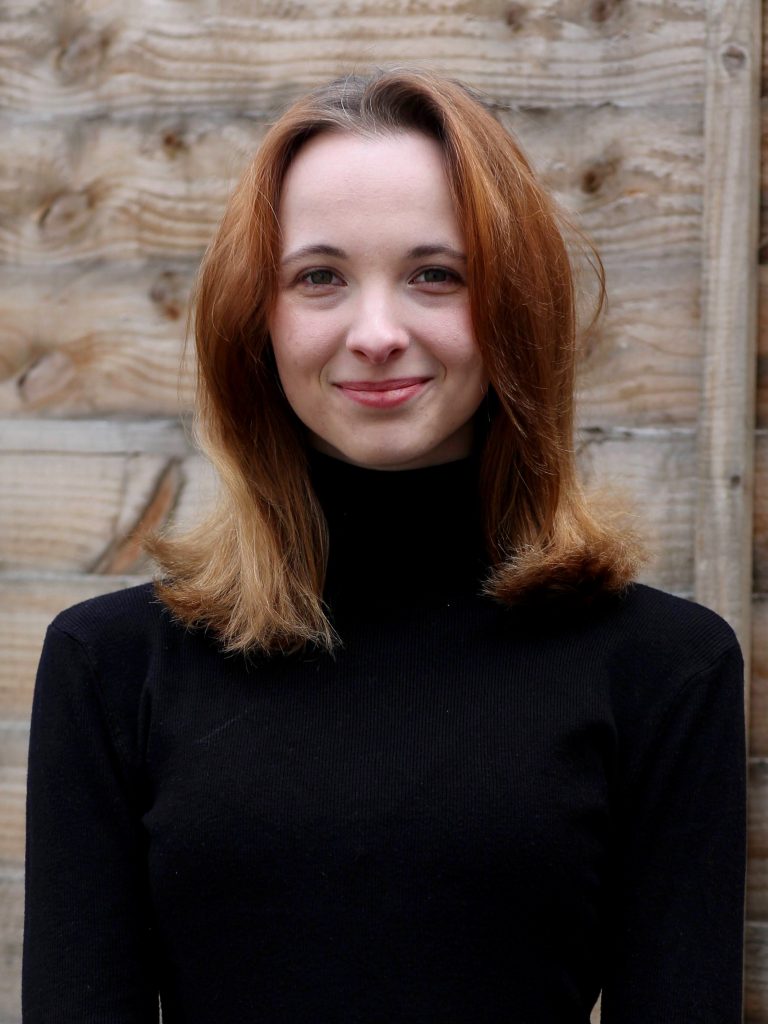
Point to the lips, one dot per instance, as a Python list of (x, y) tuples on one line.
[(383, 394)]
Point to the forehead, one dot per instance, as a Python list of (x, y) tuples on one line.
[(341, 181)]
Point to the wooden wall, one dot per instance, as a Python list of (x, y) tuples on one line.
[(124, 126)]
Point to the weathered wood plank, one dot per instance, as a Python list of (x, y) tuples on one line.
[(723, 578), (758, 723), (11, 931), (633, 177), (115, 191), (642, 366), (654, 470), (82, 513), (757, 875), (169, 437), (96, 339), (157, 187), (756, 974), (762, 338), (760, 513), (13, 794), (95, 60)]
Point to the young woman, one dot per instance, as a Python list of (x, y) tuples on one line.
[(394, 738)]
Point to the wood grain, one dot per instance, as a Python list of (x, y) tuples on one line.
[(117, 191), (633, 177), (94, 60), (758, 724), (81, 512), (760, 515), (642, 366), (757, 876), (729, 304), (156, 188), (11, 930), (762, 337), (105, 339), (756, 974)]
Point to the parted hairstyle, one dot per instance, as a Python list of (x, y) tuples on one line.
[(253, 571)]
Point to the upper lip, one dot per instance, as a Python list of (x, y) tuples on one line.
[(380, 385)]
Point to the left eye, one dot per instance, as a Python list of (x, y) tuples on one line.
[(435, 275)]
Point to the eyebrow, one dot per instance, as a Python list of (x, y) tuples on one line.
[(320, 249), (418, 252), (422, 251)]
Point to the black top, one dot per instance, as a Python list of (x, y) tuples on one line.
[(469, 814)]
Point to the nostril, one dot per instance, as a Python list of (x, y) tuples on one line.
[(377, 344)]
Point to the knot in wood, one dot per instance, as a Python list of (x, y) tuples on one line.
[(46, 379), (734, 57), (174, 141), (601, 10), (166, 293), (515, 16), (82, 53), (594, 177), (66, 212)]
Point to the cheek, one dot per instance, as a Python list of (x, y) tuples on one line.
[(302, 343), (458, 350)]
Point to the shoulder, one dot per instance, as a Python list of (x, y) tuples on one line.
[(641, 626), (121, 608), (120, 619), (124, 636), (661, 649), (675, 633)]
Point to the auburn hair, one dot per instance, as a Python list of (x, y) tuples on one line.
[(253, 571)]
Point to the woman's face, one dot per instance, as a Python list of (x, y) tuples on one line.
[(371, 328)]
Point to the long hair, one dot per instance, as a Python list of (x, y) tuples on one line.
[(253, 572)]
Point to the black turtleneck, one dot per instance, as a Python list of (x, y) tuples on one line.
[(466, 815), (399, 537)]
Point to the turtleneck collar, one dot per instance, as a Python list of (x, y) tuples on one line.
[(399, 536)]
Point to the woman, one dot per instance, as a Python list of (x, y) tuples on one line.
[(395, 738)]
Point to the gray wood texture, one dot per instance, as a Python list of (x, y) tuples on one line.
[(729, 303)]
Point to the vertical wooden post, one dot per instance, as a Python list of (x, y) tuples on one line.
[(723, 566)]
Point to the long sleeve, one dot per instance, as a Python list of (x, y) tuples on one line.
[(88, 935), (674, 948)]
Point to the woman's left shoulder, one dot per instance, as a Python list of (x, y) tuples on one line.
[(664, 618), (661, 641)]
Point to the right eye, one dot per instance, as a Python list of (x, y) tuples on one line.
[(320, 277)]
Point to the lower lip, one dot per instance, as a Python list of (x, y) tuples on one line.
[(384, 399)]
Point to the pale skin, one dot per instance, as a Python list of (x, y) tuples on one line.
[(371, 329)]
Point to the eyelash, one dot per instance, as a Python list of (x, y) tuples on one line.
[(303, 278), (451, 277)]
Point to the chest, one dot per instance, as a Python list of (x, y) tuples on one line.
[(448, 748)]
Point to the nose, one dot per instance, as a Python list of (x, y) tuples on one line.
[(377, 332)]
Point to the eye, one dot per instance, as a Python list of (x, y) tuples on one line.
[(437, 277), (319, 277)]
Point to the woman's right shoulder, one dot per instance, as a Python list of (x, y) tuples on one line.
[(121, 622)]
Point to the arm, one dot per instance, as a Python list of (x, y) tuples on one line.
[(87, 936), (674, 946)]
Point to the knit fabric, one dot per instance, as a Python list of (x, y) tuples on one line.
[(468, 814)]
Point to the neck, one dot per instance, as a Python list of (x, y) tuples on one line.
[(402, 536)]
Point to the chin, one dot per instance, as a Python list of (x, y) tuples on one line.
[(391, 458)]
